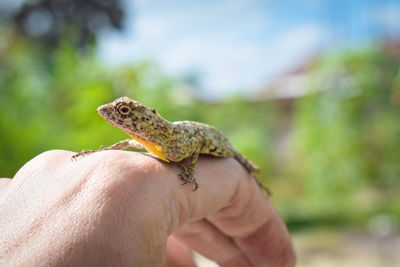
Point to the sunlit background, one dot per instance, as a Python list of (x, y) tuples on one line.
[(309, 90)]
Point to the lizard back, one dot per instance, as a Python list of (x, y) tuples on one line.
[(216, 144)]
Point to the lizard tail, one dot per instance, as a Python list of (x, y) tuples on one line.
[(247, 164)]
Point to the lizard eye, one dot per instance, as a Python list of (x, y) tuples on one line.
[(124, 110)]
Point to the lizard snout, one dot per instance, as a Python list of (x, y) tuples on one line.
[(104, 110)]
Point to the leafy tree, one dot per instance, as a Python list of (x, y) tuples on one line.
[(52, 20)]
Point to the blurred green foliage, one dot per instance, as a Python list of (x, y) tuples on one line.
[(347, 137), (341, 161)]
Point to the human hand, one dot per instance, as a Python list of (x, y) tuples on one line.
[(118, 208)]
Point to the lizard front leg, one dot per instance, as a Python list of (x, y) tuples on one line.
[(188, 165), (121, 145)]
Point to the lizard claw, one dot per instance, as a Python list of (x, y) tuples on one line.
[(184, 179), (80, 154), (189, 179), (75, 157), (196, 185)]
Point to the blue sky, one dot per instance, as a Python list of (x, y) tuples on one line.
[(236, 45)]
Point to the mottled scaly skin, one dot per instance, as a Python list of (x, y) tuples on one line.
[(212, 142), (180, 141)]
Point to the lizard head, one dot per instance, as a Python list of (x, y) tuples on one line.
[(133, 117)]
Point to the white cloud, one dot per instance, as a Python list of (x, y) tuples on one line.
[(152, 28), (388, 16), (298, 42), (227, 41)]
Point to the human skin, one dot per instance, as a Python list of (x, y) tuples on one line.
[(121, 208)]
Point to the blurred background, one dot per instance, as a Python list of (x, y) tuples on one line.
[(309, 90)]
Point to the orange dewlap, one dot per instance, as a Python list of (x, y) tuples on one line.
[(151, 147)]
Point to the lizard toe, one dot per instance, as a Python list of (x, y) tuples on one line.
[(196, 185)]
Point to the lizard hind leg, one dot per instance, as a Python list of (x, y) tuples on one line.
[(121, 145), (251, 168), (188, 165), (247, 164)]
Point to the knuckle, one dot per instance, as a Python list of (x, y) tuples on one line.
[(41, 162), (50, 155)]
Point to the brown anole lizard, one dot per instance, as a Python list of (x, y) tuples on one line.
[(180, 141)]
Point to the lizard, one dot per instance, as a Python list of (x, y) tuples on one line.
[(180, 141)]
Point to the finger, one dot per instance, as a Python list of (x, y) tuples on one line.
[(178, 254), (256, 228), (206, 239), (233, 202), (228, 196)]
